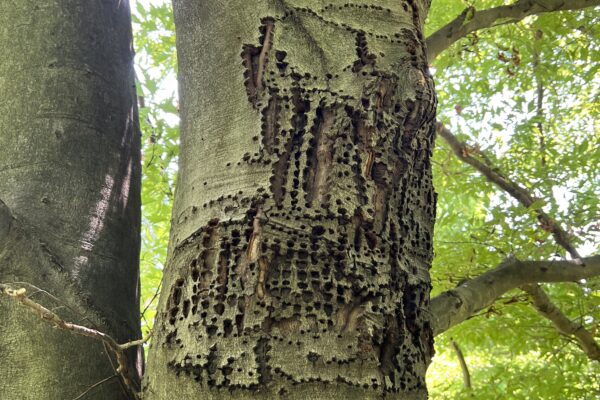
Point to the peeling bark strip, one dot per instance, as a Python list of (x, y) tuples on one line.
[(317, 284)]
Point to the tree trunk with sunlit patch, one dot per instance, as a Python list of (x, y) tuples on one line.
[(303, 217), (69, 195)]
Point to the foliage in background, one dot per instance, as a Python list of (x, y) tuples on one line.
[(154, 36), (488, 86)]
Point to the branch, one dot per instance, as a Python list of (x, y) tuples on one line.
[(463, 365), (545, 307), (540, 104), (541, 301), (463, 151), (456, 305), (471, 20), (50, 317)]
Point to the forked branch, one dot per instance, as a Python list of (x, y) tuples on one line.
[(483, 290), (456, 305)]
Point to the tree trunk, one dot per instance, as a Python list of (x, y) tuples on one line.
[(69, 191), (303, 219)]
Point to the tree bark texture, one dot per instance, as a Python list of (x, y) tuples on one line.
[(69, 192), (303, 219)]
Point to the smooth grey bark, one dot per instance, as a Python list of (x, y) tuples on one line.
[(69, 193), (302, 227), (453, 306)]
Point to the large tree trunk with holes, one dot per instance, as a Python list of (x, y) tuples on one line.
[(303, 217), (69, 193)]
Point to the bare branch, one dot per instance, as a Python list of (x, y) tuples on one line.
[(456, 305), (463, 151), (53, 298), (463, 365), (52, 318), (471, 20), (547, 309)]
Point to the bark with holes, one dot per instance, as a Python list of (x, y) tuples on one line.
[(302, 227)]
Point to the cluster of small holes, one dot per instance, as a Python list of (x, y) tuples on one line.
[(348, 218), (356, 6), (362, 52), (293, 11)]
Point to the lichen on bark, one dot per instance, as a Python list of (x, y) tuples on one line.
[(301, 244)]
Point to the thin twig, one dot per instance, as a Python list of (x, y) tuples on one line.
[(50, 317), (152, 299), (95, 385), (463, 365), (539, 105), (54, 298), (75, 312)]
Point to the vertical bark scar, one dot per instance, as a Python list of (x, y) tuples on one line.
[(362, 51), (322, 158), (254, 243), (252, 253), (262, 58), (263, 267), (255, 60)]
